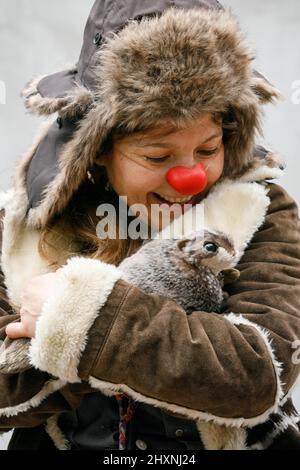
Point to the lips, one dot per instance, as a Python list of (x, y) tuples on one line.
[(172, 199), (158, 199)]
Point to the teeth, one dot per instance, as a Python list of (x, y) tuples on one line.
[(176, 199)]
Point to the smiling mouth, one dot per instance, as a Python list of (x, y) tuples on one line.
[(164, 199)]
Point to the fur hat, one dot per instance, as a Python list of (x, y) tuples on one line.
[(167, 64)]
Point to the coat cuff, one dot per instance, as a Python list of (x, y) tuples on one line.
[(63, 326), (237, 320)]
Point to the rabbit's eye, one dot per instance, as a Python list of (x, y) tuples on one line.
[(211, 247)]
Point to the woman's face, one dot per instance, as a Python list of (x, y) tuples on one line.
[(138, 164)]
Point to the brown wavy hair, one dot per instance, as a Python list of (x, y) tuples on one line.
[(79, 217)]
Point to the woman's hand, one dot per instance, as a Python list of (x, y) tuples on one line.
[(35, 293)]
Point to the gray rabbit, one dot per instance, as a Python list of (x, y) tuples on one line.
[(190, 270)]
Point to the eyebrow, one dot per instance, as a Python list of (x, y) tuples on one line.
[(169, 144)]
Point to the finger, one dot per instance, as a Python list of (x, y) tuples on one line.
[(15, 330)]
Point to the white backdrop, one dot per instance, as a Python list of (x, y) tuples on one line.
[(38, 37)]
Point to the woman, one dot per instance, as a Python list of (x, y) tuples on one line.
[(173, 88)]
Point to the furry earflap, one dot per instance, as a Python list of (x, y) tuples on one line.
[(75, 102)]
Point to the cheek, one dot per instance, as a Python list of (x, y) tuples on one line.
[(214, 168), (133, 180)]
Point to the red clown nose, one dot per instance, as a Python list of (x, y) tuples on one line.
[(187, 181)]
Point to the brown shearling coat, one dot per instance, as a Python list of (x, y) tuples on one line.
[(193, 367)]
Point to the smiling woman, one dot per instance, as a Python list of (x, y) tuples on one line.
[(144, 177), (157, 89)]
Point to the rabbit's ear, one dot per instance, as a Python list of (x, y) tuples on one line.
[(191, 237), (182, 242), (265, 91), (230, 275)]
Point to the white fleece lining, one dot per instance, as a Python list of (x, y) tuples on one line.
[(237, 209), (49, 387), (262, 173), (19, 246), (233, 207), (62, 329)]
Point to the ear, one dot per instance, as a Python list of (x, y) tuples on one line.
[(182, 242), (230, 275), (102, 160)]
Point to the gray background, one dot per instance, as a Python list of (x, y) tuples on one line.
[(38, 37)]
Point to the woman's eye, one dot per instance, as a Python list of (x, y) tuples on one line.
[(155, 159), (209, 152), (163, 159)]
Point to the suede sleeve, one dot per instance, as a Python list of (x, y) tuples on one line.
[(234, 365)]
